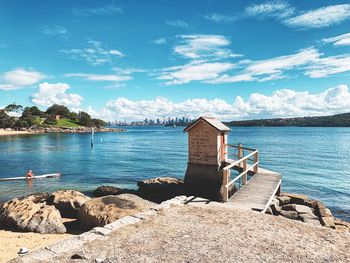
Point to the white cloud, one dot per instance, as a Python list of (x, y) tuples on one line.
[(160, 41), (342, 40), (194, 71), (56, 93), (99, 77), (104, 10), (203, 47), (54, 31), (176, 23), (321, 17), (279, 9), (220, 18), (281, 103), (309, 61), (20, 78), (94, 53), (327, 66)]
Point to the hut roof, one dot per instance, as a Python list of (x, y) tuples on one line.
[(218, 125)]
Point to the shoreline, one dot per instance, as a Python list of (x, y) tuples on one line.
[(58, 130)]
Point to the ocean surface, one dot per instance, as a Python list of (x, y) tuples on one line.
[(313, 161)]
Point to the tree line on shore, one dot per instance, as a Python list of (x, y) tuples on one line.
[(14, 116), (338, 120)]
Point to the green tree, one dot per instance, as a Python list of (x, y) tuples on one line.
[(51, 120), (73, 116), (13, 108), (5, 120), (56, 109), (85, 119), (98, 123)]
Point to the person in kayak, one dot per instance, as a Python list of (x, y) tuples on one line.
[(29, 174)]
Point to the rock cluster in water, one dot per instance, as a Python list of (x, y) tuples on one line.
[(302, 208)]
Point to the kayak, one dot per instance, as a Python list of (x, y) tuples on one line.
[(35, 177)]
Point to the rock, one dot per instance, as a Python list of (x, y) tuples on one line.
[(269, 211), (339, 222), (322, 211), (327, 221), (111, 190), (289, 214), (283, 200), (160, 189), (300, 209), (341, 228), (40, 197), (104, 210), (310, 219), (275, 208), (297, 198), (68, 202), (25, 215)]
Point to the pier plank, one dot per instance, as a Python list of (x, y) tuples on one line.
[(258, 192)]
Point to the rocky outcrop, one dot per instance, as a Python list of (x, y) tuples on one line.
[(301, 207), (37, 198), (160, 189), (104, 210), (25, 215), (111, 190), (68, 202)]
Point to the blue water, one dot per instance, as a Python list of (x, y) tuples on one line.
[(313, 161)]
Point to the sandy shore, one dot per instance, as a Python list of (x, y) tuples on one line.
[(7, 133), (10, 242)]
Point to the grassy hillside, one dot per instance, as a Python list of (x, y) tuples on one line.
[(67, 123)]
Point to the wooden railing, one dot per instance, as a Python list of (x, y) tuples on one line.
[(241, 165)]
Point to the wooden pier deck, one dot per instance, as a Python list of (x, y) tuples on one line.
[(258, 192)]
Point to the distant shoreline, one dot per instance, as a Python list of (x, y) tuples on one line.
[(58, 130)]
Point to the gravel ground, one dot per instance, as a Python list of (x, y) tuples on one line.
[(216, 234)]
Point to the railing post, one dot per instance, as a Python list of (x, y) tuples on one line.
[(240, 153), (244, 178), (256, 159), (225, 178)]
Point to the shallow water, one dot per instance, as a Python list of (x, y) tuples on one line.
[(313, 161)]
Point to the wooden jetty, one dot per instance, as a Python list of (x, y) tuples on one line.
[(257, 192)]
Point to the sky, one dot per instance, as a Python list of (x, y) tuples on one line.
[(131, 60)]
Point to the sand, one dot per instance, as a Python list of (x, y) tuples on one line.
[(7, 133), (10, 242)]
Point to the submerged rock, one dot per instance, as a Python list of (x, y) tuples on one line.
[(161, 188), (68, 202), (104, 210), (111, 190), (25, 215)]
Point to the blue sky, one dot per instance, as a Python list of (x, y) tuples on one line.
[(137, 59)]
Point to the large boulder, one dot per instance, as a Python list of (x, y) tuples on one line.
[(296, 198), (68, 202), (25, 215), (37, 198), (325, 215), (161, 188), (111, 190), (104, 210)]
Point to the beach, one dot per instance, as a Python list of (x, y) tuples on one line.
[(11, 242), (9, 133)]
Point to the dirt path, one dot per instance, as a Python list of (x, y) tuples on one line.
[(216, 234)]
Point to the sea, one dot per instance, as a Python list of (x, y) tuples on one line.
[(313, 161)]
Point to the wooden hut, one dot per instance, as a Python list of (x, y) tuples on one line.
[(207, 152)]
